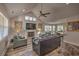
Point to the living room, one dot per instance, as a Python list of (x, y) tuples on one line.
[(39, 29)]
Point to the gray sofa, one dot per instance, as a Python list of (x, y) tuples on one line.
[(46, 44), (19, 41)]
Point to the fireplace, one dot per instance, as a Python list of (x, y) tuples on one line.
[(31, 34)]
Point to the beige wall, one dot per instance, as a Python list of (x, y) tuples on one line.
[(71, 37), (22, 18)]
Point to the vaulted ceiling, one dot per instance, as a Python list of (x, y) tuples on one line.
[(15, 9), (57, 10)]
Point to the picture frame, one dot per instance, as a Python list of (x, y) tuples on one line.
[(73, 26)]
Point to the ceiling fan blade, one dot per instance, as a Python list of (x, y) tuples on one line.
[(47, 13), (44, 15)]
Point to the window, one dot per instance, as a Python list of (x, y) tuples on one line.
[(34, 19), (53, 27), (29, 18), (26, 17), (3, 26), (60, 28), (48, 28)]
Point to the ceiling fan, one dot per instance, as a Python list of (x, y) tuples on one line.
[(43, 14)]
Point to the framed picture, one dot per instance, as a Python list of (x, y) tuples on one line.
[(18, 26), (73, 26)]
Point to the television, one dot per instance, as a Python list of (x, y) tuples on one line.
[(30, 26)]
